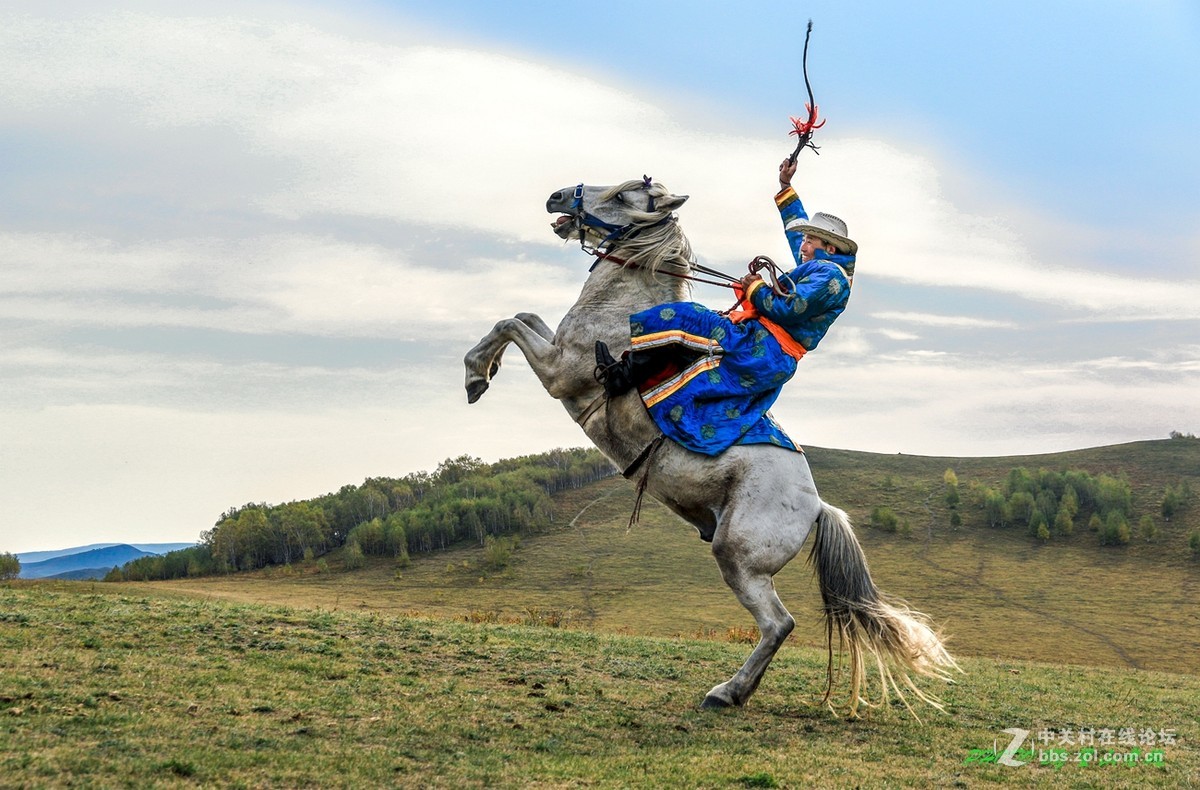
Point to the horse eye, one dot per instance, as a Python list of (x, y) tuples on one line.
[(620, 198)]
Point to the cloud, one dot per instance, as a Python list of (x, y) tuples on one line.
[(928, 319), (896, 334), (949, 404), (280, 283), (466, 139)]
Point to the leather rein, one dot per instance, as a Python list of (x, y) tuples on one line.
[(618, 233)]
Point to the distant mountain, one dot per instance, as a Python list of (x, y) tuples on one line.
[(83, 574), (105, 558), (29, 557)]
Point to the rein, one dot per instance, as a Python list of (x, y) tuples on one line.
[(775, 273), (617, 233), (727, 281)]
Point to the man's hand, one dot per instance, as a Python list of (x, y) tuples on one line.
[(749, 280), (787, 169)]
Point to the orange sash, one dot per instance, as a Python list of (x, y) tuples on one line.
[(747, 311)]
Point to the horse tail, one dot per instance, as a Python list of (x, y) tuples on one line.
[(868, 622)]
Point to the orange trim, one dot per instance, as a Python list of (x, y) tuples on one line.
[(674, 336), (671, 386)]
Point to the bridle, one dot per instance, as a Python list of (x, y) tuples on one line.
[(616, 233)]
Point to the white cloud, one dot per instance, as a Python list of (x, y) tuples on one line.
[(464, 138), (281, 283), (929, 319), (935, 404), (896, 334)]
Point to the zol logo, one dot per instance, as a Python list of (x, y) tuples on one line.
[(1018, 738)]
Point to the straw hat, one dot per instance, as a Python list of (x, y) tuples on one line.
[(827, 228)]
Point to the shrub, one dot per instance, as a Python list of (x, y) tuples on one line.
[(885, 519), (1115, 531), (353, 556), (497, 552), (1038, 525), (1064, 522), (10, 566)]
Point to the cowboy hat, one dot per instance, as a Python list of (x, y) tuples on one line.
[(827, 228)]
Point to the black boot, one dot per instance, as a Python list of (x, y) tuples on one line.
[(616, 375)]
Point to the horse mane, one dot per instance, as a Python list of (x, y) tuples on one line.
[(658, 240)]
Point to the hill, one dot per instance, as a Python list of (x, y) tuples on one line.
[(106, 685), (998, 592), (29, 557), (91, 560)]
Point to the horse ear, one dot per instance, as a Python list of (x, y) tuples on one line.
[(670, 202)]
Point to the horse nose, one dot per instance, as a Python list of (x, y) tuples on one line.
[(555, 200)]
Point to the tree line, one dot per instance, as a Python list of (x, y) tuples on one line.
[(463, 499), (1047, 503)]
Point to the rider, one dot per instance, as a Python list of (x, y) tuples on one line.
[(709, 379)]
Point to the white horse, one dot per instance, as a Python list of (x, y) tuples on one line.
[(754, 503)]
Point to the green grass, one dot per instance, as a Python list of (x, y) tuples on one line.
[(100, 687)]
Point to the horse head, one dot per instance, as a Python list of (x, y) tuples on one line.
[(611, 213), (637, 216)]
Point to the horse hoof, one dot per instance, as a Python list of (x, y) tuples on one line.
[(475, 390), (712, 702)]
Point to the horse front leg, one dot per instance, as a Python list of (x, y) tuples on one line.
[(531, 334)]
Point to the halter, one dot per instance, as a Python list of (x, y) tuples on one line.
[(616, 233)]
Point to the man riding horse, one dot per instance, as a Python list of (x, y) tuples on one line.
[(708, 379)]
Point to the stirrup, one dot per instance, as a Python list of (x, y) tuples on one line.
[(616, 376)]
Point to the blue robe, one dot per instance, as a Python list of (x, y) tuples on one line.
[(720, 394)]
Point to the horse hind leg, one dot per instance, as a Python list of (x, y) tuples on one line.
[(756, 592)]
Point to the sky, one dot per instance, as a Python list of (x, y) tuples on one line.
[(244, 246)]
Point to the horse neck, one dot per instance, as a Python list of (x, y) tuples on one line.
[(629, 289)]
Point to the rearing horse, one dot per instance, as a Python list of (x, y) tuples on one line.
[(754, 503)]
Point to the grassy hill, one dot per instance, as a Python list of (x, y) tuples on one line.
[(997, 592), (101, 686)]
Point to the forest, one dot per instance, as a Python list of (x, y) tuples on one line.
[(463, 499)]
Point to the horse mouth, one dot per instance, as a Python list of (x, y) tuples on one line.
[(563, 225)]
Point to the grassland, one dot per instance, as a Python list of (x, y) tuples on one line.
[(103, 688), (444, 672)]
